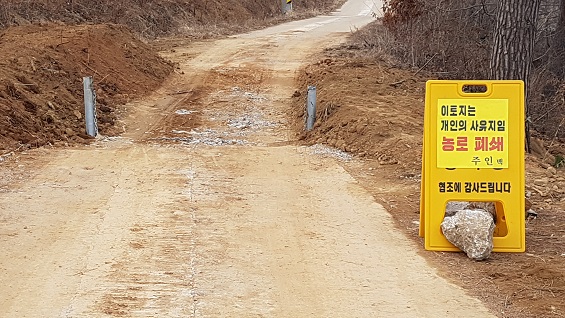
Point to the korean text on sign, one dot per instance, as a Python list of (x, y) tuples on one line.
[(472, 133)]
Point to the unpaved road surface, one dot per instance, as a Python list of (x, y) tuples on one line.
[(205, 208)]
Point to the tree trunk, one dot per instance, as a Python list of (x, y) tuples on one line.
[(513, 45), (514, 36), (558, 45)]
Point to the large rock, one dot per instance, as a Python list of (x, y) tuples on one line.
[(456, 206), (471, 230)]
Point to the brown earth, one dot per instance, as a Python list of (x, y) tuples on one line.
[(375, 110), (215, 221), (41, 80), (367, 106), (42, 65)]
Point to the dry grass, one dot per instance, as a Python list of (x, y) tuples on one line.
[(452, 39), (156, 18)]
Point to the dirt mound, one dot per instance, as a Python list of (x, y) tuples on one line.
[(365, 108), (41, 90), (373, 109)]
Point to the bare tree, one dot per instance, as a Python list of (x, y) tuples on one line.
[(558, 44), (514, 36), (513, 45)]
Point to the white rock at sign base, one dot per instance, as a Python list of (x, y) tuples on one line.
[(471, 231)]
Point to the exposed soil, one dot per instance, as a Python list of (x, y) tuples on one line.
[(375, 110), (219, 218), (42, 65), (41, 90), (368, 107)]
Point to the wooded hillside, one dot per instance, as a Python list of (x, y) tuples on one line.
[(461, 39), (151, 18)]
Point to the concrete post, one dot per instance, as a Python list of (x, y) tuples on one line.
[(311, 108), (90, 107)]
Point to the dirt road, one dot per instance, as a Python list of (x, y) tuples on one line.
[(205, 208)]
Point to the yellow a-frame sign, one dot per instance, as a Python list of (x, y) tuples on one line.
[(474, 151)]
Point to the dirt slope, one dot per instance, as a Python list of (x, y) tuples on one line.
[(41, 70), (367, 116), (373, 109)]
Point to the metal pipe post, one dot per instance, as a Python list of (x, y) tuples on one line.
[(311, 108), (90, 107)]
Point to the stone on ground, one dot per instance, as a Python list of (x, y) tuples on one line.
[(471, 230)]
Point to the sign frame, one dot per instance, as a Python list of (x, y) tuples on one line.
[(504, 186)]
